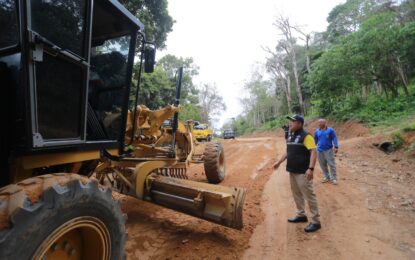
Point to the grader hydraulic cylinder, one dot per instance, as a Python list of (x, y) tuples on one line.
[(218, 204)]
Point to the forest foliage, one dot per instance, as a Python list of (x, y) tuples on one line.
[(359, 68)]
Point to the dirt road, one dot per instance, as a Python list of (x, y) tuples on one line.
[(369, 215)]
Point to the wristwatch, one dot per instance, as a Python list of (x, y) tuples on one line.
[(311, 168)]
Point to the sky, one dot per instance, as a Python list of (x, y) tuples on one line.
[(225, 38)]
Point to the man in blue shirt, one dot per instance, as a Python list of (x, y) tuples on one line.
[(327, 146)]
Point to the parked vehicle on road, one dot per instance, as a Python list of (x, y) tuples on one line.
[(228, 134), (202, 132)]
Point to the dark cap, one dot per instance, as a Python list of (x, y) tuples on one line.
[(296, 117)]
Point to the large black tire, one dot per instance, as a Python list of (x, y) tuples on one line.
[(214, 162), (32, 211)]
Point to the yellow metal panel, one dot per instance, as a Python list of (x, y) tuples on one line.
[(142, 171), (43, 160)]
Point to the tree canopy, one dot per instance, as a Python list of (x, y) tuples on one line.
[(155, 16), (360, 67)]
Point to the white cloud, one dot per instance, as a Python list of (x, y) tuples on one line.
[(225, 37)]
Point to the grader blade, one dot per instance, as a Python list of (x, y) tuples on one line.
[(218, 204)]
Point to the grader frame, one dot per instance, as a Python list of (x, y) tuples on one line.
[(159, 150), (66, 69)]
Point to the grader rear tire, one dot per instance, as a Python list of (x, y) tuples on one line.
[(214, 162), (60, 216)]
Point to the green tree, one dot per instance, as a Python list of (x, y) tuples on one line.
[(211, 102), (170, 64), (155, 16), (346, 18), (190, 112), (375, 58), (261, 103), (158, 89)]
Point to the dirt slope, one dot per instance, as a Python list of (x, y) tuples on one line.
[(369, 215)]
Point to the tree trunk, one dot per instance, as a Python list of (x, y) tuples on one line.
[(298, 86), (403, 77), (364, 92), (283, 24), (385, 90), (296, 78), (378, 88), (307, 53), (394, 91), (288, 93)]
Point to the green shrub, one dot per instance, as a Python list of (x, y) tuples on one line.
[(398, 141), (273, 124), (373, 111), (410, 128)]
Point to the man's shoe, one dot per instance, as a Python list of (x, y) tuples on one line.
[(298, 219), (325, 180), (335, 182), (312, 227)]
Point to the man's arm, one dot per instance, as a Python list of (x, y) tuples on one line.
[(335, 142), (311, 146), (282, 159), (313, 159), (316, 136)]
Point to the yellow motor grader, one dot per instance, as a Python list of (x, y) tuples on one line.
[(65, 73), (159, 135), (154, 139)]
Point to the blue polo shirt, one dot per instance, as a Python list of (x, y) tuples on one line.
[(325, 139)]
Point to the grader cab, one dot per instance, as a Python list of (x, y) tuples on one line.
[(65, 73)]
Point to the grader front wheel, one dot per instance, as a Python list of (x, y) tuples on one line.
[(80, 238), (61, 216), (214, 162)]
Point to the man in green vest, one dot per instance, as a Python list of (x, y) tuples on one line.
[(301, 158)]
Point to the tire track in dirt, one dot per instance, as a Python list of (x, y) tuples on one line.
[(267, 240), (158, 233), (350, 229)]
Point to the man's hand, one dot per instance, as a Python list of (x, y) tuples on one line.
[(276, 165), (309, 174)]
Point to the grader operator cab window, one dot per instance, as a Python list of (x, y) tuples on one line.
[(61, 22), (59, 32), (8, 19), (59, 98), (107, 84), (113, 42), (81, 71)]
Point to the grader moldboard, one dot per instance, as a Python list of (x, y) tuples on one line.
[(65, 73)]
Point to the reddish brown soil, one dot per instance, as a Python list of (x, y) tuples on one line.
[(158, 233), (349, 129), (369, 215)]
